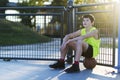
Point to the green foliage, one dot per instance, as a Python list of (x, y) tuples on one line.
[(3, 3), (14, 33), (37, 2), (91, 1), (26, 20), (33, 3), (59, 3), (84, 1)]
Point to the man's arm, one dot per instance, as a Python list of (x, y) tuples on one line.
[(94, 33), (71, 36)]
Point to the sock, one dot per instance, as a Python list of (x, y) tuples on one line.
[(76, 62)]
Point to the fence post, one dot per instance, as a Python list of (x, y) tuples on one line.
[(70, 27)]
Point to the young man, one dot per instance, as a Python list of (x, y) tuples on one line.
[(85, 42)]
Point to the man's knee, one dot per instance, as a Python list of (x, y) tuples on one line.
[(71, 44), (79, 42)]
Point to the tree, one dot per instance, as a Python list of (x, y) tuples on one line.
[(27, 19), (3, 3), (59, 2)]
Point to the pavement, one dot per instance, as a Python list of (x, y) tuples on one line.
[(39, 70)]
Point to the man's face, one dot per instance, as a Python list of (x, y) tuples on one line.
[(87, 22)]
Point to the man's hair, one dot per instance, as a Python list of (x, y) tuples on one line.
[(90, 16)]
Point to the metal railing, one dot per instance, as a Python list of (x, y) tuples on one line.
[(46, 25), (43, 24), (107, 30)]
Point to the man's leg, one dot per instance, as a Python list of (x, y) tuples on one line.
[(63, 51), (60, 64), (80, 48)]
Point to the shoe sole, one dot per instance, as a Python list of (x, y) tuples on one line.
[(73, 72), (56, 68)]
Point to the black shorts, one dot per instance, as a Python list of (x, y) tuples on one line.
[(89, 52)]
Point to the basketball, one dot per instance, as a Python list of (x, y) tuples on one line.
[(89, 63)]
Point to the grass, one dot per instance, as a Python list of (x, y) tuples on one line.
[(14, 33)]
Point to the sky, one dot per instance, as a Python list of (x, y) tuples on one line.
[(46, 3), (13, 1)]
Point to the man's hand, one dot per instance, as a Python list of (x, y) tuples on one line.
[(65, 44)]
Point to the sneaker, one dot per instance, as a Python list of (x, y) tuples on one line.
[(72, 69), (58, 65)]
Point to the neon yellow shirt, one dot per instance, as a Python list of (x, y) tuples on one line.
[(95, 43)]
